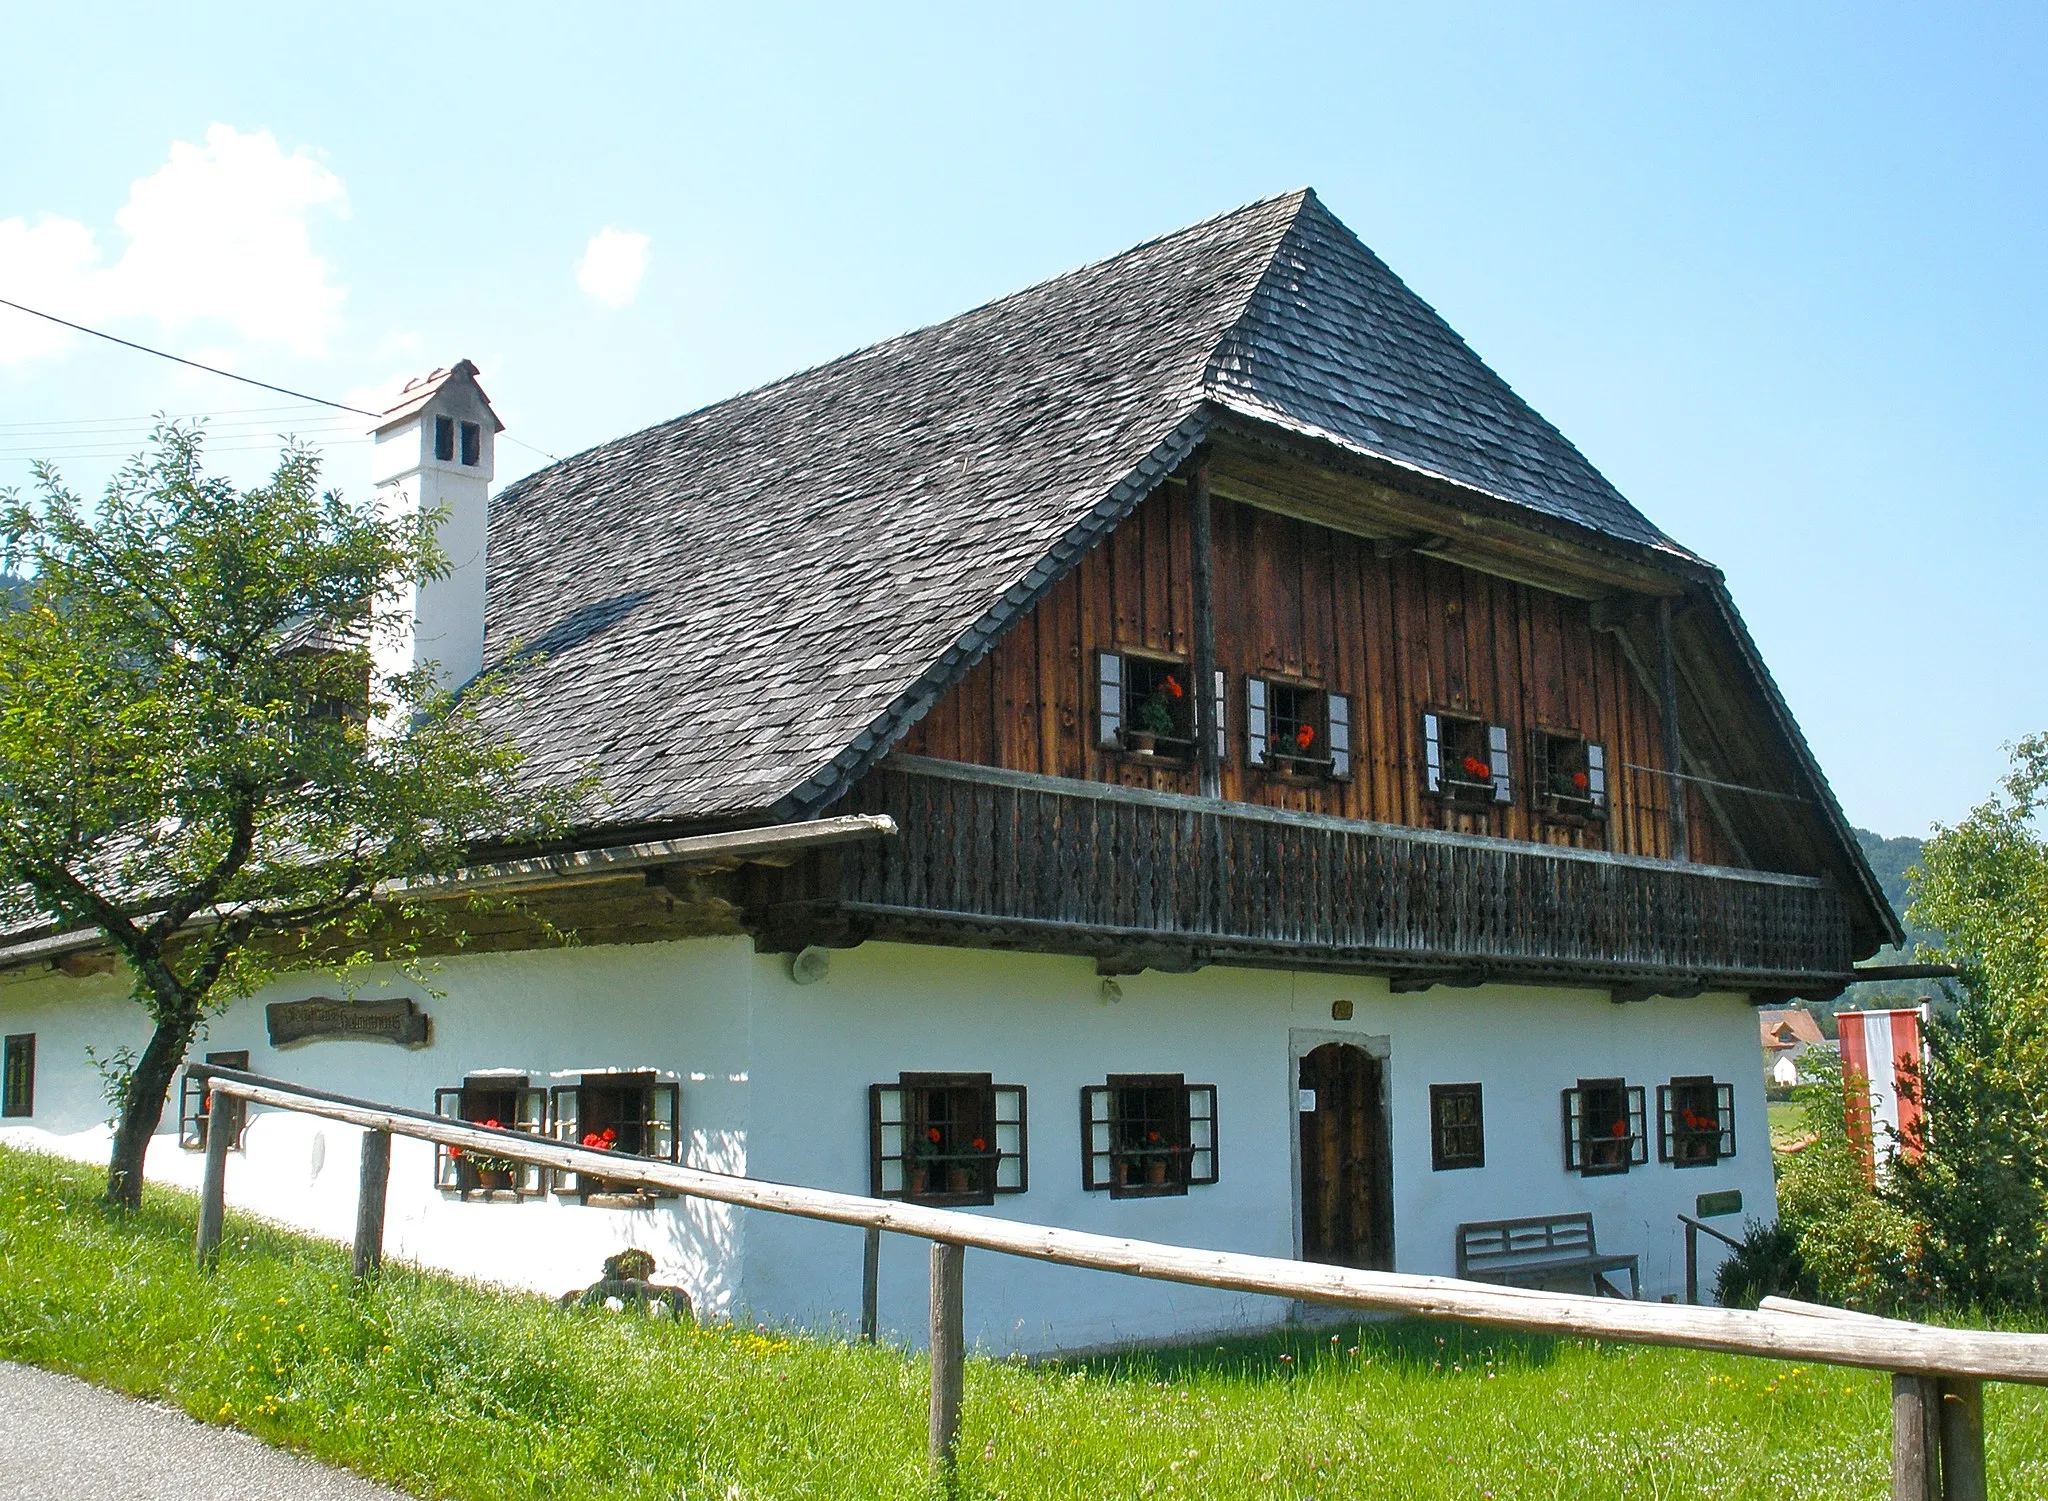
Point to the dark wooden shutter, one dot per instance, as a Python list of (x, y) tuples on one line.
[(447, 1168), (19, 1087), (1574, 1131), (1097, 1171), (1432, 753), (1013, 1175), (1255, 721), (1339, 706), (1638, 1130), (1724, 1109), (1667, 1123), (1109, 700), (1596, 774), (1541, 791), (1201, 1137), (191, 1114), (661, 1136), (1497, 759)]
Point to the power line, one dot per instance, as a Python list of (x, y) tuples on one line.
[(180, 359)]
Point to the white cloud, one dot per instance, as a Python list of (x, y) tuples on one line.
[(612, 265), (220, 234)]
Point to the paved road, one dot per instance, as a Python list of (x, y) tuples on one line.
[(61, 1440)]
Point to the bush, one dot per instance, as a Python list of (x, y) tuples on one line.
[(1767, 1265), (1854, 1246)]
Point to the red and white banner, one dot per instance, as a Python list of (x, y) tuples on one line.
[(1881, 1050)]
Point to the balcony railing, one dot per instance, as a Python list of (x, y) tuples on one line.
[(1015, 860)]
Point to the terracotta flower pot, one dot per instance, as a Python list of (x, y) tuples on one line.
[(1140, 742), (958, 1180), (917, 1182), (493, 1179), (1155, 1172)]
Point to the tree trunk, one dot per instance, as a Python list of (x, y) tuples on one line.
[(148, 1088)]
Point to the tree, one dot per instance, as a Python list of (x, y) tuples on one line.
[(1979, 1189), (197, 755)]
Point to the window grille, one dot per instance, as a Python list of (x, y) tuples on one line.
[(1465, 761), (195, 1103), (1695, 1122), (1147, 1135), (1604, 1127), (18, 1091), (1297, 728), (632, 1114), (1457, 1127), (1567, 775), (499, 1101), (947, 1139)]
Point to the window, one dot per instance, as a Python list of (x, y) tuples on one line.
[(18, 1096), (1457, 1124), (195, 1100), (444, 439), (1567, 775), (1603, 1127), (1695, 1122), (945, 1139), (500, 1101), (1144, 707), (472, 443), (1291, 727), (1465, 760), (1147, 1135), (632, 1114)]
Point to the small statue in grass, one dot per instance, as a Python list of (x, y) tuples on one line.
[(628, 1283)]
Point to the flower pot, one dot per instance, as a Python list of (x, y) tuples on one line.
[(493, 1179), (958, 1180), (917, 1182), (1141, 742), (1155, 1172)]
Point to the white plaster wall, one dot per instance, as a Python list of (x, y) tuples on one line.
[(775, 1080), (678, 1008)]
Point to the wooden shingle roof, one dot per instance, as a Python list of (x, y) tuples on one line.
[(728, 615)]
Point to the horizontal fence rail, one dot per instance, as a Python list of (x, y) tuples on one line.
[(1876, 1344), (1000, 850)]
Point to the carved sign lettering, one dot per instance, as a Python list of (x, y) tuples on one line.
[(400, 1021)]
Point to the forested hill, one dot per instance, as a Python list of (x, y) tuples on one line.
[(1890, 859)]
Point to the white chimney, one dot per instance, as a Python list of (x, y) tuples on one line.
[(435, 449)]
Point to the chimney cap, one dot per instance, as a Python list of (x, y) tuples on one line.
[(422, 389)]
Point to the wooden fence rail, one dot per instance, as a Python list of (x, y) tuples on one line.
[(1781, 1330)]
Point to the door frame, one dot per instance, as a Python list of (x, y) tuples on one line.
[(1301, 1041)]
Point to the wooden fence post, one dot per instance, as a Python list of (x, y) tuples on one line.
[(370, 1195), (949, 1351), (213, 1188), (1962, 1440), (1915, 1444), (870, 1284)]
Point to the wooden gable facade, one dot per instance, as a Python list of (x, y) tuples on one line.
[(1398, 634)]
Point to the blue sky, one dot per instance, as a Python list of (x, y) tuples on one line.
[(1777, 270)]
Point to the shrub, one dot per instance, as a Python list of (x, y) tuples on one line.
[(1766, 1265), (1854, 1245)]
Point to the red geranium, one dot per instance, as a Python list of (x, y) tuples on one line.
[(1620, 1129), (600, 1141), (934, 1136), (1173, 687), (1305, 736), (980, 1145), (1477, 769)]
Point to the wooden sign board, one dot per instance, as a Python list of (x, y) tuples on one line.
[(321, 1019), (1728, 1201)]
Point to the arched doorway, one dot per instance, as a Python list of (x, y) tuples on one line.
[(1347, 1180)]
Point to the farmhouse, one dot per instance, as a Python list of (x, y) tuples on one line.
[(1181, 751)]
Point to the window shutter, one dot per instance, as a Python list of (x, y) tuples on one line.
[(1724, 1108), (1574, 1131), (1012, 1164), (1432, 753), (1667, 1123), (565, 1105), (191, 1111), (1596, 774), (1201, 1136), (1255, 721), (1109, 700), (885, 1141), (1095, 1138), (1638, 1133), (1340, 734), (662, 1141), (1222, 721), (1497, 756), (447, 1169), (1540, 789), (530, 1114)]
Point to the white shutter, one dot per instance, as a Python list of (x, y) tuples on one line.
[(1255, 721), (1109, 700), (1596, 774), (447, 1105), (1432, 753), (530, 1114), (1222, 721), (1340, 734), (1497, 757)]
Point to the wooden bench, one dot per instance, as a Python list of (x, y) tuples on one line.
[(1555, 1252)]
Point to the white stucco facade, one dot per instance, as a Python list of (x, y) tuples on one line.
[(775, 1080)]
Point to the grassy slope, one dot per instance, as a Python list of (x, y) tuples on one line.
[(452, 1390)]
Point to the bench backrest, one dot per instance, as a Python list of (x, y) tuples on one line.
[(1539, 1238)]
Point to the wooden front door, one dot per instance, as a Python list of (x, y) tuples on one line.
[(1347, 1205)]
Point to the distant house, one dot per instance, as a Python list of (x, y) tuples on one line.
[(1789, 1034), (1325, 813)]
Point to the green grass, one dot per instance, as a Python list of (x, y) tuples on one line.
[(448, 1389), (1787, 1120)]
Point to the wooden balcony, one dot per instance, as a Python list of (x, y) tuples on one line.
[(1145, 879)]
